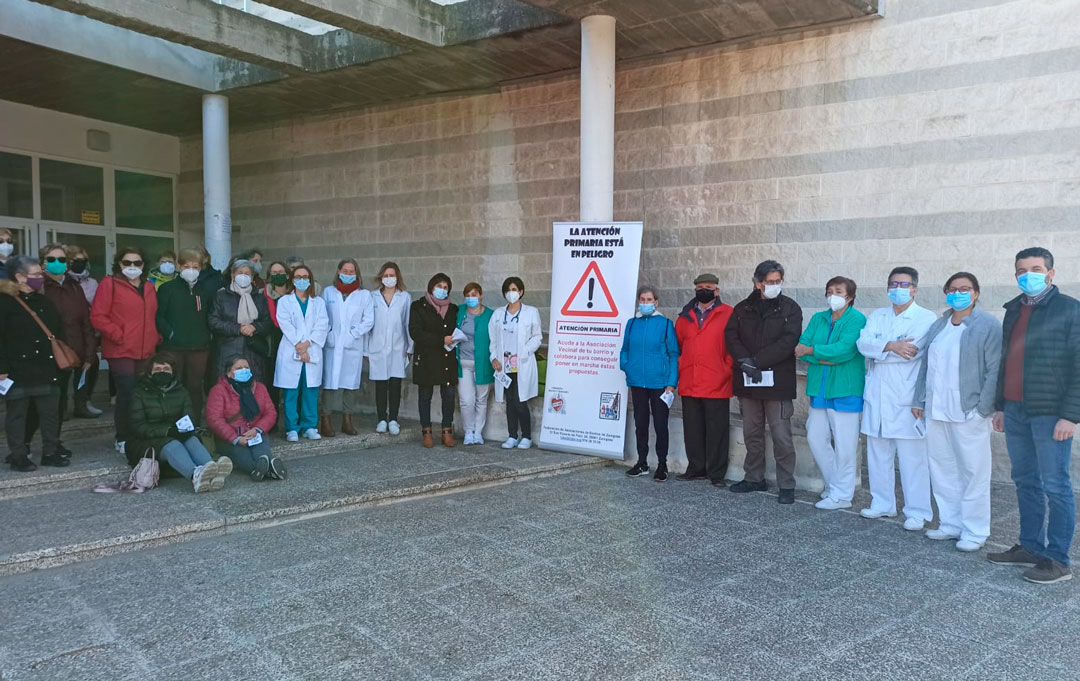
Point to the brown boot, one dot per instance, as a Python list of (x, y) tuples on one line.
[(448, 437), (346, 425), (325, 428), (428, 442)]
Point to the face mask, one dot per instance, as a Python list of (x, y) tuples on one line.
[(167, 268), (900, 296), (959, 300), (346, 278), (257, 267), (242, 375), (161, 378), (132, 272), (646, 308), (440, 293), (837, 303), (704, 295), (301, 284), (189, 275), (389, 282), (78, 266), (1032, 283), (6, 248), (242, 280), (279, 279), (513, 296), (36, 283), (772, 290), (56, 267), (472, 301)]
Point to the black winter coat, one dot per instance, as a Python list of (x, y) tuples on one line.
[(227, 337), (767, 332), (26, 354), (182, 316), (154, 413), (432, 364), (1051, 357)]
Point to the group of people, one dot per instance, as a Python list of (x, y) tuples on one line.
[(924, 389)]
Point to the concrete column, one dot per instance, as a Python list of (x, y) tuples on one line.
[(217, 210), (597, 118)]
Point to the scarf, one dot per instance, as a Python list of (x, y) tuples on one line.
[(346, 289), (246, 312), (441, 306), (249, 406)]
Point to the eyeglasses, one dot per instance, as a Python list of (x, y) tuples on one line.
[(901, 284), (131, 263), (960, 289), (50, 258), (303, 276)]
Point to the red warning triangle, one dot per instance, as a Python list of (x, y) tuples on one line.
[(589, 306)]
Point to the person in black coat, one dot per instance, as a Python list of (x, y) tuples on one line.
[(26, 358), (432, 320), (240, 320), (761, 336)]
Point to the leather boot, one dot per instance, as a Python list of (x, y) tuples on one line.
[(325, 427), (428, 442), (346, 425), (448, 437)]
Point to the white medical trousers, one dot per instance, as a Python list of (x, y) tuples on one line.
[(834, 441), (472, 398), (960, 473), (881, 456)]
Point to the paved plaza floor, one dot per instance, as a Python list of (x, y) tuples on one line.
[(584, 575)]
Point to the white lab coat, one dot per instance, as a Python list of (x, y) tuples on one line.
[(350, 320), (296, 327), (890, 379), (389, 341), (529, 337)]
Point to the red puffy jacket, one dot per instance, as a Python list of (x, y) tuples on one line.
[(223, 411), (125, 319), (704, 363)]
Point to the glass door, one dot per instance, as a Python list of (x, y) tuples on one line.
[(96, 241)]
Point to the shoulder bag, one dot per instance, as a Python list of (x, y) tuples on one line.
[(65, 357)]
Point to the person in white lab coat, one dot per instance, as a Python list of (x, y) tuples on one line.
[(894, 341), (516, 335), (389, 346), (955, 392), (304, 326), (348, 305)]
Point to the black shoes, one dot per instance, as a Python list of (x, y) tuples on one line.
[(23, 465), (744, 486), (661, 474), (786, 496), (1017, 555), (262, 468), (719, 483), (56, 461), (277, 469), (689, 476), (1047, 571), (638, 470)]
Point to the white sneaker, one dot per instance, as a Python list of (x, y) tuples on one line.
[(477, 439), (940, 535), (470, 439), (395, 429), (197, 480), (967, 546), (121, 446), (525, 443), (292, 436), (510, 443), (223, 469), (381, 428), (874, 515), (914, 524), (92, 410), (832, 504), (312, 434), (825, 493)]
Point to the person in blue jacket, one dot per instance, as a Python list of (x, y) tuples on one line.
[(650, 359)]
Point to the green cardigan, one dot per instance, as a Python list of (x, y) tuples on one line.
[(848, 371), (485, 374)]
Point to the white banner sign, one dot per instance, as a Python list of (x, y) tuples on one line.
[(594, 270)]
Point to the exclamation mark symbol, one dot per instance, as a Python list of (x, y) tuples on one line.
[(592, 285)]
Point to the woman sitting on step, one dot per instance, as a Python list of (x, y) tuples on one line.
[(240, 412)]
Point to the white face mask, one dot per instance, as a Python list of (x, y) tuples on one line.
[(167, 267), (132, 272), (189, 275), (6, 249), (772, 290), (512, 297), (242, 280), (389, 282), (836, 303)]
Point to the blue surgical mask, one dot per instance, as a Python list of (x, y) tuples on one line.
[(900, 296), (472, 301), (242, 375), (1032, 283), (646, 308), (346, 278), (167, 267), (440, 293), (960, 300), (301, 284)]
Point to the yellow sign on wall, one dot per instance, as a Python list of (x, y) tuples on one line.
[(91, 217)]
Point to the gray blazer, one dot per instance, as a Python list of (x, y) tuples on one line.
[(980, 355)]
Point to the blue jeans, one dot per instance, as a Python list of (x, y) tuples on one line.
[(186, 456), (1040, 469), (308, 416)]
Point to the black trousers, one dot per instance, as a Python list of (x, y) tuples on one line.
[(83, 396), (18, 410), (647, 400), (33, 420), (517, 412), (448, 395), (388, 395), (706, 431)]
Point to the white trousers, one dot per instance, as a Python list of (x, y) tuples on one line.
[(834, 441), (881, 456), (960, 473), (472, 398)]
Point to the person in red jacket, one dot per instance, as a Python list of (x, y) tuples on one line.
[(240, 413), (705, 382), (124, 312)]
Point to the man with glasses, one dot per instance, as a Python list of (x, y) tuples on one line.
[(894, 341)]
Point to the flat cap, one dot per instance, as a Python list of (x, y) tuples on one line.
[(707, 278)]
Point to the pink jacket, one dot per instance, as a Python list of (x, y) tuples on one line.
[(223, 411)]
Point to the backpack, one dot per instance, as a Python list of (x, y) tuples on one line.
[(144, 476)]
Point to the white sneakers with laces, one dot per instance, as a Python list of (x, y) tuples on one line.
[(292, 436), (312, 434), (828, 504)]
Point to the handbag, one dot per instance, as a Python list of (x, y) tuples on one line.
[(144, 476), (65, 357)]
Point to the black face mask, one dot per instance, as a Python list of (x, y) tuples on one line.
[(704, 295), (161, 378), (77, 266), (279, 279)]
